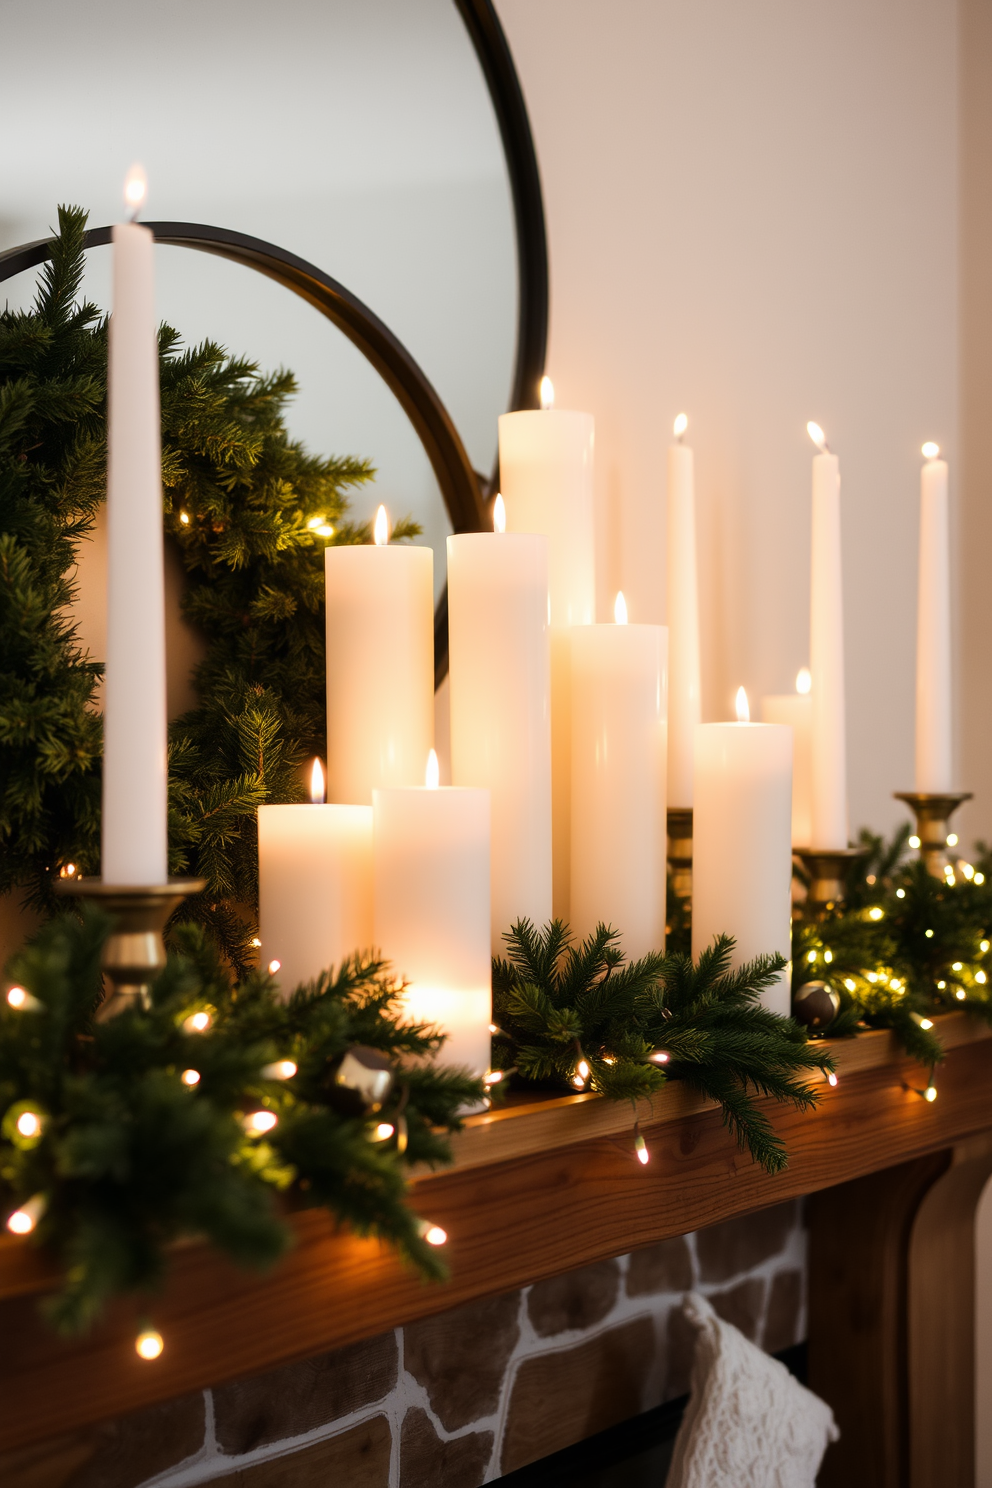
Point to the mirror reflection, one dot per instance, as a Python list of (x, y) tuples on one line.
[(358, 134)]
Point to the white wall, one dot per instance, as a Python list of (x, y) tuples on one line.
[(752, 216)]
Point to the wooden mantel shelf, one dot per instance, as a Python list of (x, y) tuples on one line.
[(536, 1189)]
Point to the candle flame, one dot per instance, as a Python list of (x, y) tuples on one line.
[(680, 425), (432, 775), (930, 450), (380, 531), (499, 514), (318, 788), (818, 437), (620, 608), (547, 393), (135, 190), (743, 711), (804, 681)]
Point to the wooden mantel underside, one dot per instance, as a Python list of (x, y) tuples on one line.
[(536, 1190)]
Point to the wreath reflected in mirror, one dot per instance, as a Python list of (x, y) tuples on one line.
[(249, 510)]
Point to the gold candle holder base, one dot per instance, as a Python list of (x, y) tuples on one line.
[(134, 952), (933, 812), (828, 869), (680, 850)]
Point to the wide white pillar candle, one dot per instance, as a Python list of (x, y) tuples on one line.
[(431, 878), (684, 698), (499, 666), (795, 709), (314, 888), (380, 667), (135, 846), (619, 708), (829, 826), (934, 765), (546, 479), (742, 847)]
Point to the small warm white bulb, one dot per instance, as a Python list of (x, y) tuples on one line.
[(260, 1121), (741, 704), (380, 529), (274, 966), (149, 1344), (29, 1124), (680, 425), (930, 450), (135, 190), (641, 1148), (499, 513), (281, 1069), (432, 775), (318, 785), (547, 393), (832, 1078), (197, 1022), (818, 437), (620, 608), (930, 1093), (190, 1077), (432, 1233), (23, 1220), (804, 681), (20, 999)]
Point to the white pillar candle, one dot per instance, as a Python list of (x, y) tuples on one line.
[(314, 886), (829, 825), (742, 848), (134, 833), (795, 709), (619, 705), (499, 665), (934, 765), (380, 666), (431, 892), (546, 478), (684, 697)]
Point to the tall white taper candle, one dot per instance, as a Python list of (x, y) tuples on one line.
[(135, 845), (828, 751), (934, 762), (684, 697)]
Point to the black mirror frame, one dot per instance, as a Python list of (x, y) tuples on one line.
[(461, 487)]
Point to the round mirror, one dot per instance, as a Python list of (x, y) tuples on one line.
[(365, 136)]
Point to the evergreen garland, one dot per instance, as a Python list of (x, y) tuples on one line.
[(251, 512), (904, 946), (582, 1016), (123, 1156)]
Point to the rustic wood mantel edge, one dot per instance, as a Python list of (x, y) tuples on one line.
[(535, 1190)]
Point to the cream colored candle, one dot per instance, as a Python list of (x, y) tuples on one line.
[(934, 765), (380, 666), (828, 813), (795, 709), (546, 477), (134, 832), (499, 665), (431, 877), (619, 704), (684, 697), (314, 886), (742, 847)]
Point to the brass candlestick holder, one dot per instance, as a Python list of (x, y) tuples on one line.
[(680, 850), (134, 952), (828, 868), (933, 812)]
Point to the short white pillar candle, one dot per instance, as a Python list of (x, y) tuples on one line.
[(619, 687), (796, 710), (742, 843), (431, 893), (314, 887)]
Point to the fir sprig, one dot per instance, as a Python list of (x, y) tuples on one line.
[(582, 1016), (905, 946), (130, 1157)]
